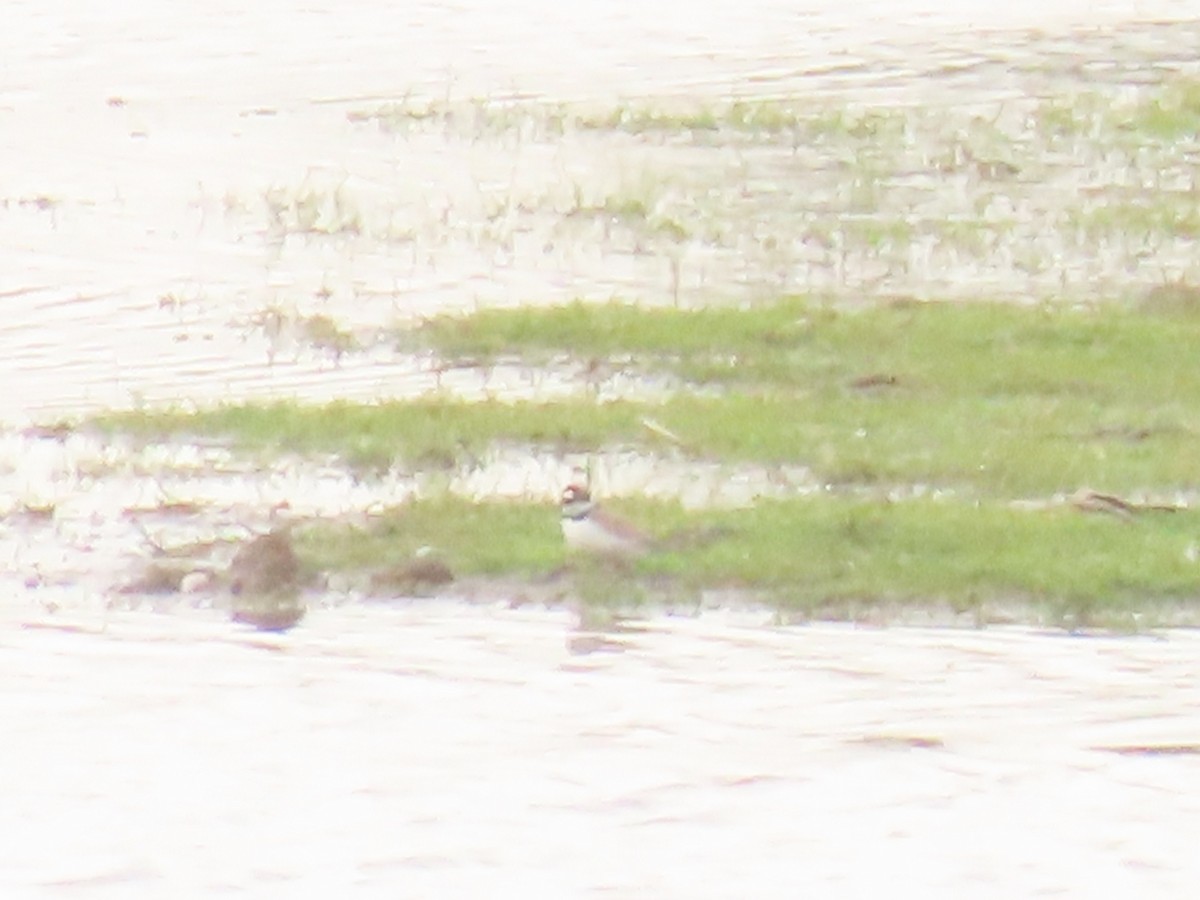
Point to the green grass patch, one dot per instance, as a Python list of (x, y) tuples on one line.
[(603, 330), (493, 538), (818, 549), (988, 399), (814, 554), (983, 348), (1172, 112), (427, 433), (1001, 399)]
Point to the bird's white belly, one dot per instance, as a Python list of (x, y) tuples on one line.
[(587, 535)]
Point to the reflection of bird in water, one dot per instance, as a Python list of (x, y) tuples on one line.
[(264, 579)]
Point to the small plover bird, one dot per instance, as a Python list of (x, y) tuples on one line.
[(588, 528)]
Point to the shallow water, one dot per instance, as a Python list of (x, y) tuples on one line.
[(182, 193), (440, 749), (155, 173)]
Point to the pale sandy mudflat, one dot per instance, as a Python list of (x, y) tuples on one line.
[(445, 749)]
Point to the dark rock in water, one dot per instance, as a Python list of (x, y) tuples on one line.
[(157, 579), (266, 564), (264, 579)]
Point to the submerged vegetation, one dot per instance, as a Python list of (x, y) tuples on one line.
[(703, 200)]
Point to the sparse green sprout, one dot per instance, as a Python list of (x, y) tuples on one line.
[(323, 333)]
